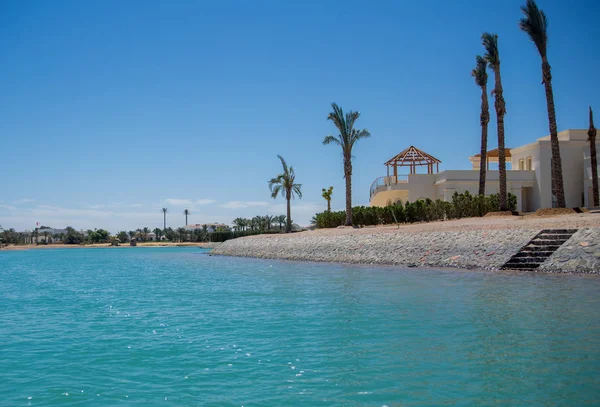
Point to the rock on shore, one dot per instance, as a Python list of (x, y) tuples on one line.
[(472, 249), (580, 254), (477, 249)]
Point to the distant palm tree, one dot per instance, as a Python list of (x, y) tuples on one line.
[(326, 194), (281, 220), (255, 223), (186, 213), (535, 25), (158, 233), (346, 139), (285, 184), (481, 77), (492, 56), (145, 232), (131, 234), (164, 211), (594, 159), (182, 232), (238, 224), (268, 220)]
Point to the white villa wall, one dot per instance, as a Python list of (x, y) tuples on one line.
[(533, 188)]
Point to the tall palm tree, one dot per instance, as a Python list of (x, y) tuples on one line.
[(164, 211), (481, 77), (186, 212), (346, 139), (285, 184), (492, 56), (326, 194), (594, 159), (535, 25)]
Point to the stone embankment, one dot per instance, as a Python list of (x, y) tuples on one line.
[(475, 249)]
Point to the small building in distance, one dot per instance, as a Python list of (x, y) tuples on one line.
[(210, 227)]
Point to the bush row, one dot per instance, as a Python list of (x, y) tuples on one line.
[(462, 206)]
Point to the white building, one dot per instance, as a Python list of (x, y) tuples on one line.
[(210, 227), (528, 175)]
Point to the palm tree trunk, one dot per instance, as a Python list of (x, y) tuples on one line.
[(556, 161), (329, 205), (165, 221), (185, 220), (500, 111), (484, 118), (594, 162), (288, 226), (348, 176)]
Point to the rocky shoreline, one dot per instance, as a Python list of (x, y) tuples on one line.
[(476, 249)]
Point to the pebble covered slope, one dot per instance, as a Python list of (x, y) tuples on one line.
[(477, 249)]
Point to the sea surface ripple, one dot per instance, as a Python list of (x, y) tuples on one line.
[(174, 326)]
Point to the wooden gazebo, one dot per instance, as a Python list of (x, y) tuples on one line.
[(412, 157)]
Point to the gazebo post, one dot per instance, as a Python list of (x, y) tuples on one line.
[(396, 173)]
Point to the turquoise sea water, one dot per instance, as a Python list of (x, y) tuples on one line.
[(173, 326)]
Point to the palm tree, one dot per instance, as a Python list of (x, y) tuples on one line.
[(281, 220), (145, 232), (326, 194), (285, 185), (481, 77), (346, 139), (594, 159), (492, 56), (158, 233), (535, 25), (164, 211), (238, 224), (186, 212), (131, 234), (268, 219), (182, 232)]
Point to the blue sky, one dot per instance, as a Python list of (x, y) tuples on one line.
[(111, 110)]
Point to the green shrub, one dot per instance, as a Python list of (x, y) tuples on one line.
[(462, 206)]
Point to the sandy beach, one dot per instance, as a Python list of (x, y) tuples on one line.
[(106, 245)]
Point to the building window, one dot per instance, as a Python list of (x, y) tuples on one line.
[(521, 164), (529, 168)]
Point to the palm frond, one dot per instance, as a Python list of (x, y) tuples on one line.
[(535, 24), (490, 43), (275, 190), (296, 189), (330, 139), (351, 117), (358, 135), (285, 166), (480, 71)]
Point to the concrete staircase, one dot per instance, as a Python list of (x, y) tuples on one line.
[(532, 255)]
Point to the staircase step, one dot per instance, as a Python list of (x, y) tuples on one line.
[(544, 242), (520, 266), (534, 253), (539, 249), (565, 231), (538, 260), (549, 236)]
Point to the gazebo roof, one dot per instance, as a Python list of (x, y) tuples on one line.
[(412, 156), (495, 153)]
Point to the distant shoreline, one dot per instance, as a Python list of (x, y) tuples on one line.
[(107, 245)]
